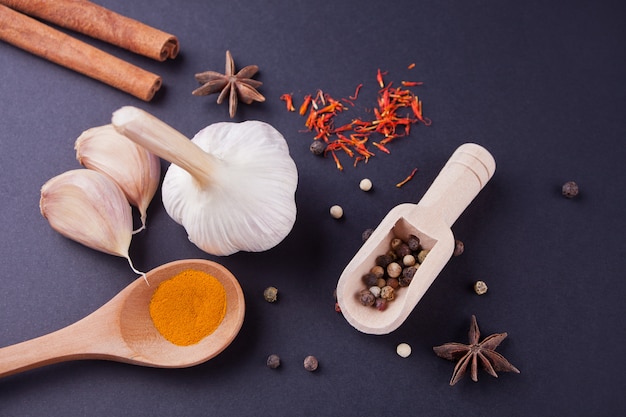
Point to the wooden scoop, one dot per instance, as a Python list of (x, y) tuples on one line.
[(464, 175), (123, 331)]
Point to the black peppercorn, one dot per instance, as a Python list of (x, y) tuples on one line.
[(317, 147), (370, 279), (310, 363), (383, 260), (273, 361), (570, 189), (366, 234), (367, 298), (403, 250), (407, 276), (414, 243), (459, 247)]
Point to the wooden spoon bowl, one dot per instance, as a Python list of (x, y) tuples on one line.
[(467, 171), (122, 329)]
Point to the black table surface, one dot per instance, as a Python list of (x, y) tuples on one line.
[(541, 85)]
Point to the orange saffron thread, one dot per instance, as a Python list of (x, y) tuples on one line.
[(407, 179)]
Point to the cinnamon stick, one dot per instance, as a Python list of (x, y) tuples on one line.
[(42, 40), (101, 23)]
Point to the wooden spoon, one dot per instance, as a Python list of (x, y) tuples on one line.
[(464, 175), (122, 330)]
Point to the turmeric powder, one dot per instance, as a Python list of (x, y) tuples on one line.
[(188, 307)]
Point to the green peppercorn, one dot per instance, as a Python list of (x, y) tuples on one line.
[(366, 297), (273, 361), (270, 294), (317, 147), (413, 242), (422, 255)]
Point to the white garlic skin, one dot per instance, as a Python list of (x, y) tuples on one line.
[(135, 170), (250, 203), (88, 207)]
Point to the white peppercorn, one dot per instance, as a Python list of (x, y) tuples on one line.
[(394, 270), (404, 350), (375, 291), (480, 287), (365, 184), (408, 260), (336, 212)]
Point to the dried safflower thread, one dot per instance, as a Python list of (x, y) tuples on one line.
[(569, 189), (480, 287), (273, 361), (188, 307), (311, 363), (270, 294)]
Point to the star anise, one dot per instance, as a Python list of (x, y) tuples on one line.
[(239, 85), (483, 352)]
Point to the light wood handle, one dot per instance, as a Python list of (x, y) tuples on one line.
[(467, 171)]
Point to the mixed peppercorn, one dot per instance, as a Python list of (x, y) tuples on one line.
[(392, 271)]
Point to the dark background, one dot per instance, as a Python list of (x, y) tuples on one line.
[(540, 84)]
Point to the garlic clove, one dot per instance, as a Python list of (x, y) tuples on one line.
[(135, 170), (88, 207)]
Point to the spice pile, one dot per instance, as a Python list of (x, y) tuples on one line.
[(397, 109), (393, 270)]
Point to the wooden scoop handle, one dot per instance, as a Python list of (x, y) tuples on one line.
[(467, 171)]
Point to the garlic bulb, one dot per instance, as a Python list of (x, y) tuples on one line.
[(135, 170), (88, 207), (232, 186)]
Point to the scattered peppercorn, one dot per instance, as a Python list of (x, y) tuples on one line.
[(480, 287), (570, 189), (366, 234), (336, 212), (367, 298), (270, 294), (273, 361), (393, 271), (311, 363), (459, 247), (365, 184), (317, 147), (404, 350), (414, 243)]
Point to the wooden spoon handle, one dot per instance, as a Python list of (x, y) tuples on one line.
[(85, 339), (467, 171)]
